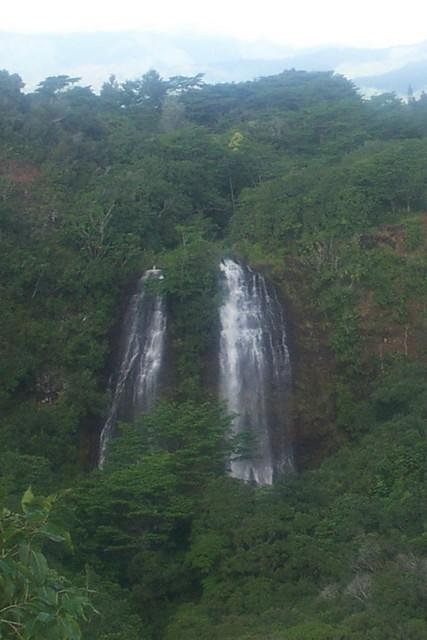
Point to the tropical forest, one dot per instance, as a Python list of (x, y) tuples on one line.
[(213, 360)]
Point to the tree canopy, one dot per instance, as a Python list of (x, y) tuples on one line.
[(324, 192)]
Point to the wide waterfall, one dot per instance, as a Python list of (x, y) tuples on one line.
[(141, 355), (255, 372)]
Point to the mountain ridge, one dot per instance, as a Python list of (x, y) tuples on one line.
[(95, 56)]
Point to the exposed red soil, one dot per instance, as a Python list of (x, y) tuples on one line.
[(19, 172), (382, 334)]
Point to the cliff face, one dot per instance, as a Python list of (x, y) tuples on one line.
[(345, 329), (399, 329), (313, 366)]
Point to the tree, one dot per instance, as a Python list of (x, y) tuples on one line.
[(53, 85), (11, 86), (36, 603), (149, 90), (111, 92)]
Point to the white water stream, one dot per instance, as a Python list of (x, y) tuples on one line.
[(255, 372), (141, 357)]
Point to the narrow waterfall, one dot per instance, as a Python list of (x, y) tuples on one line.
[(255, 372), (140, 356)]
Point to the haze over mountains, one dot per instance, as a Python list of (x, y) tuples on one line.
[(94, 56)]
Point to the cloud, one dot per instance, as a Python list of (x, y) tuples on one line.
[(384, 61), (303, 23)]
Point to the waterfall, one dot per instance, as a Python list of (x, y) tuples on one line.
[(255, 372), (140, 356)]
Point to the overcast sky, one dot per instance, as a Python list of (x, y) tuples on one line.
[(372, 23)]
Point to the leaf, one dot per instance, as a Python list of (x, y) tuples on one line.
[(55, 534), (48, 596), (71, 630), (43, 616), (39, 566), (27, 499)]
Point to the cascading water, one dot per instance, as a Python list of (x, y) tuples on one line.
[(255, 372), (141, 356)]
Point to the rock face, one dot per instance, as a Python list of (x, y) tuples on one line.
[(255, 372), (141, 358)]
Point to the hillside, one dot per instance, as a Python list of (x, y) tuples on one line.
[(324, 194)]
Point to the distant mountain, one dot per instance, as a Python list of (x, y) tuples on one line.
[(373, 70), (412, 75), (95, 56)]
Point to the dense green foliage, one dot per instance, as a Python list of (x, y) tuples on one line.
[(324, 191), (35, 601)]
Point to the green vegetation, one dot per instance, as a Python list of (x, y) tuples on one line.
[(35, 602), (327, 194)]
